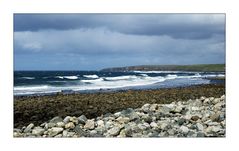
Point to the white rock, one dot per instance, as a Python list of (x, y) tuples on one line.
[(153, 107), (184, 129), (216, 128), (60, 124), (29, 128), (90, 124), (38, 131), (145, 107), (199, 126), (54, 131), (100, 123), (195, 108), (117, 114), (123, 119), (114, 131), (153, 125), (70, 125)]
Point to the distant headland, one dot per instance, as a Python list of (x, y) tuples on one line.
[(196, 67)]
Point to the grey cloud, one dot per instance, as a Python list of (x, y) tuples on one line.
[(101, 41), (184, 26)]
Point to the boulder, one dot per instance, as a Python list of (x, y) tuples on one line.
[(28, 128), (82, 119), (90, 124), (56, 119)]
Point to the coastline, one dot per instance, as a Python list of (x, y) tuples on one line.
[(39, 109)]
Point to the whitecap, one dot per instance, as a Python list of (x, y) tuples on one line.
[(67, 77), (128, 77), (91, 76), (28, 78)]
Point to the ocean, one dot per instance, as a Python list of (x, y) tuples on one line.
[(48, 82)]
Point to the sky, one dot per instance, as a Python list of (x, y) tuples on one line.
[(97, 41)]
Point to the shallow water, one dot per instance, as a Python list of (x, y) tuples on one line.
[(45, 82)]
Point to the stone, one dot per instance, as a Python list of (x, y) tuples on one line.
[(143, 126), (17, 130), (74, 120), (206, 101), (82, 119), (123, 120), (197, 103), (56, 119), (43, 124), (64, 133), (163, 125), (93, 133), (216, 129), (153, 125), (108, 124), (170, 107), (153, 107), (100, 123), (28, 128), (50, 125), (171, 132), (216, 100), (147, 118), (114, 131), (184, 129), (202, 98), (60, 124), (145, 107), (191, 134), (58, 136), (79, 131), (181, 121), (54, 131), (17, 134), (66, 119), (195, 118), (195, 108), (70, 125), (187, 117), (117, 114), (38, 131), (133, 116), (70, 134), (200, 134), (223, 97), (122, 133), (199, 127), (127, 112), (178, 109), (90, 124), (215, 117)]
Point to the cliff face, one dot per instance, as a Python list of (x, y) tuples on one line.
[(200, 67)]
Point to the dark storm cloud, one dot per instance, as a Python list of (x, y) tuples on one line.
[(90, 41), (185, 26)]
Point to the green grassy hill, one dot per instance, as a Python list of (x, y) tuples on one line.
[(197, 67)]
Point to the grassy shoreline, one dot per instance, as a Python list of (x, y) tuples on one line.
[(195, 67), (38, 109)]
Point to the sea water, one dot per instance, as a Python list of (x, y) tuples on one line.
[(47, 82)]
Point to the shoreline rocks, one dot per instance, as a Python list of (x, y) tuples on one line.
[(203, 117)]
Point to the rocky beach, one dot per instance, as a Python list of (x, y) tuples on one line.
[(202, 117), (195, 111)]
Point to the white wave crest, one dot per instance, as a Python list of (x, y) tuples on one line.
[(68, 77), (91, 76), (92, 81), (121, 78), (28, 78)]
